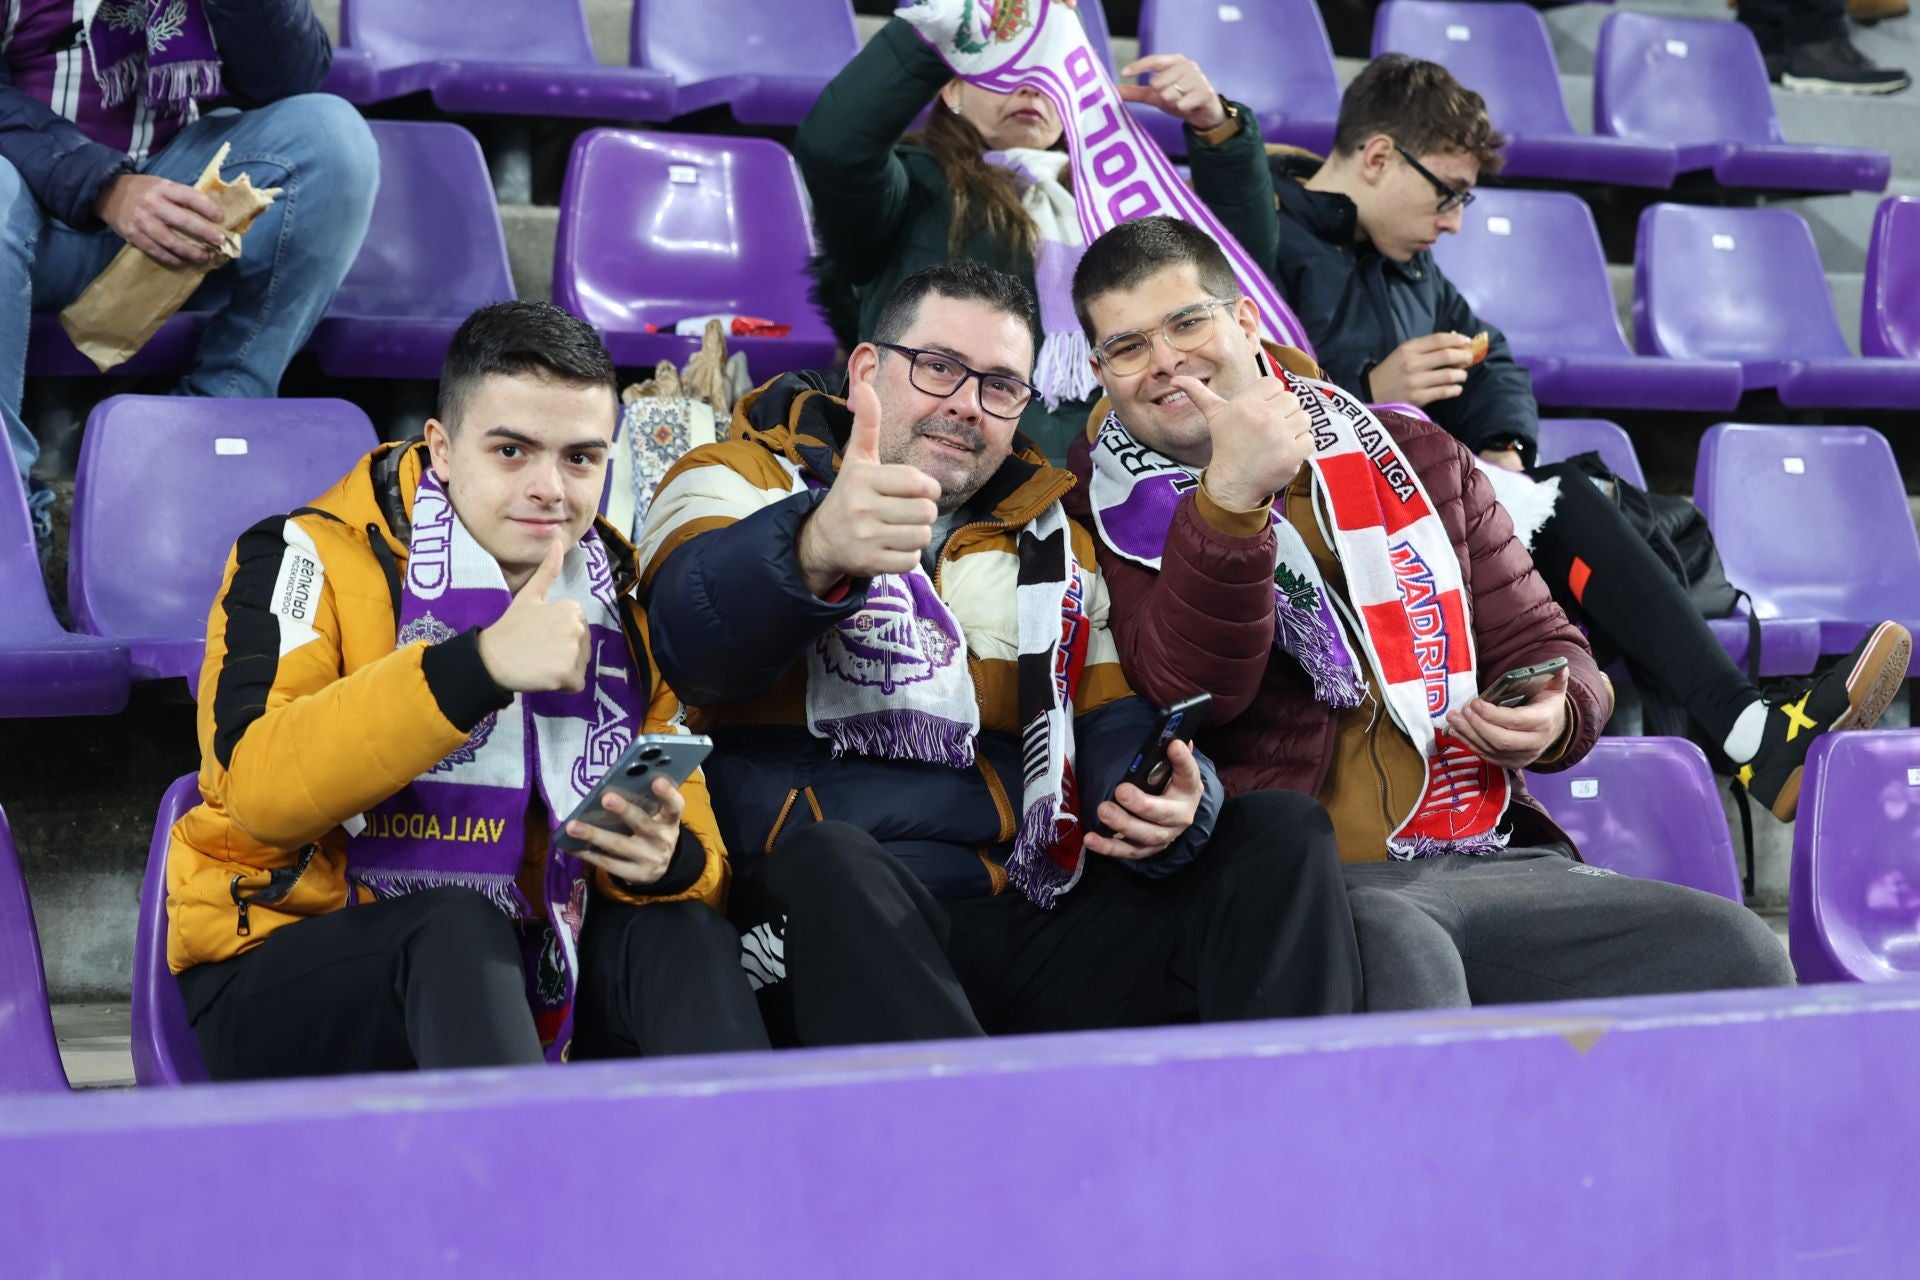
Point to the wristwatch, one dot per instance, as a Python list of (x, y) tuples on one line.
[(1225, 129)]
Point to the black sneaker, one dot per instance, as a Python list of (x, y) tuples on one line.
[(1854, 695), (1836, 66)]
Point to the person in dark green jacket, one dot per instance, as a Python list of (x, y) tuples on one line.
[(985, 180)]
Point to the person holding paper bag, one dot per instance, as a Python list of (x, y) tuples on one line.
[(987, 179), (102, 139)]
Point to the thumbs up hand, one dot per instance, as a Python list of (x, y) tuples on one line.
[(1260, 439), (539, 645), (877, 518)]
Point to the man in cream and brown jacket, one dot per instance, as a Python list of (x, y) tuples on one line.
[(408, 686)]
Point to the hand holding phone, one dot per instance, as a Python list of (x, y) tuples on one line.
[(629, 823), (1521, 685), (1519, 717), (1155, 800)]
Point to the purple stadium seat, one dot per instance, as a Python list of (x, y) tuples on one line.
[(1562, 438), (1530, 262), (1271, 55), (1854, 906), (1702, 86), (165, 1050), (1813, 522), (51, 354), (434, 253), (1645, 807), (44, 669), (658, 228), (1501, 51), (528, 58), (767, 61), (165, 486), (29, 1054), (1746, 285), (1890, 304)]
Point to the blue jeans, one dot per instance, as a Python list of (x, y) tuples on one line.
[(315, 147)]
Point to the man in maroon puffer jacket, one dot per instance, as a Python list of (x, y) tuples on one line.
[(1494, 908)]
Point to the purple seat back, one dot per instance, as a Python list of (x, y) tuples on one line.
[(45, 670), (1854, 913), (397, 33), (1093, 16), (1499, 51), (165, 1050), (29, 1054), (657, 228), (1732, 284), (1530, 262), (1272, 55), (166, 485), (434, 247), (1682, 80), (1562, 438), (1813, 522), (696, 40), (1645, 807), (1890, 305)]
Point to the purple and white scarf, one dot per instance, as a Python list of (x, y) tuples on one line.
[(156, 52), (1119, 173), (463, 822), (1063, 370)]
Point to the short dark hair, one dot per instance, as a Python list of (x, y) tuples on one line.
[(1420, 106), (963, 280), (1136, 251), (513, 339)]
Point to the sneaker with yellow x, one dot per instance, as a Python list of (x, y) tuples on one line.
[(1853, 695)]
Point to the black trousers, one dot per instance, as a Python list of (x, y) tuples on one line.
[(1779, 25), (434, 980), (1257, 927), (1601, 570)]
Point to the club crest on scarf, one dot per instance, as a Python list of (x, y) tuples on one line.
[(899, 638)]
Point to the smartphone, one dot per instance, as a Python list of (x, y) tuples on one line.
[(673, 756), (1150, 770), (1517, 687)]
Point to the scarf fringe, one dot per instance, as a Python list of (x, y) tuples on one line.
[(121, 80), (1300, 634), (502, 891), (1065, 368), (172, 88), (902, 735), (1032, 868), (1429, 847)]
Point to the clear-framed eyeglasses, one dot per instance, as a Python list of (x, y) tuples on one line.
[(1187, 329), (936, 373)]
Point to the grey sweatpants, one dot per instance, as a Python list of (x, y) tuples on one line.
[(1533, 924)]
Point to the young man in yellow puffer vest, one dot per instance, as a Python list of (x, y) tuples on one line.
[(409, 686)]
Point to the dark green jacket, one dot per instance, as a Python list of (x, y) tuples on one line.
[(881, 210)]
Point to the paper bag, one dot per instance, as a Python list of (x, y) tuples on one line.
[(129, 301)]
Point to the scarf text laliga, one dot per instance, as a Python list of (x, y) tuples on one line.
[(463, 822), (1119, 174), (1409, 607)]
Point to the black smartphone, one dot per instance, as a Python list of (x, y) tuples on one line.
[(1150, 770), (1517, 687), (673, 756)]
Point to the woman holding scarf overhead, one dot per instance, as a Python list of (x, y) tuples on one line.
[(984, 180)]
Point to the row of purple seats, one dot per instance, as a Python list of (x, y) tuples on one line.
[(1747, 285), (1725, 301), (1645, 807), (766, 62), (1671, 96), (29, 1054)]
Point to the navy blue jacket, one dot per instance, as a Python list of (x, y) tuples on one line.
[(269, 50)]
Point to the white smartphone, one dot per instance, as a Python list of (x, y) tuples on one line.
[(673, 756)]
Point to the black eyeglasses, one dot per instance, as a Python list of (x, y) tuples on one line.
[(1451, 197), (936, 373)]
